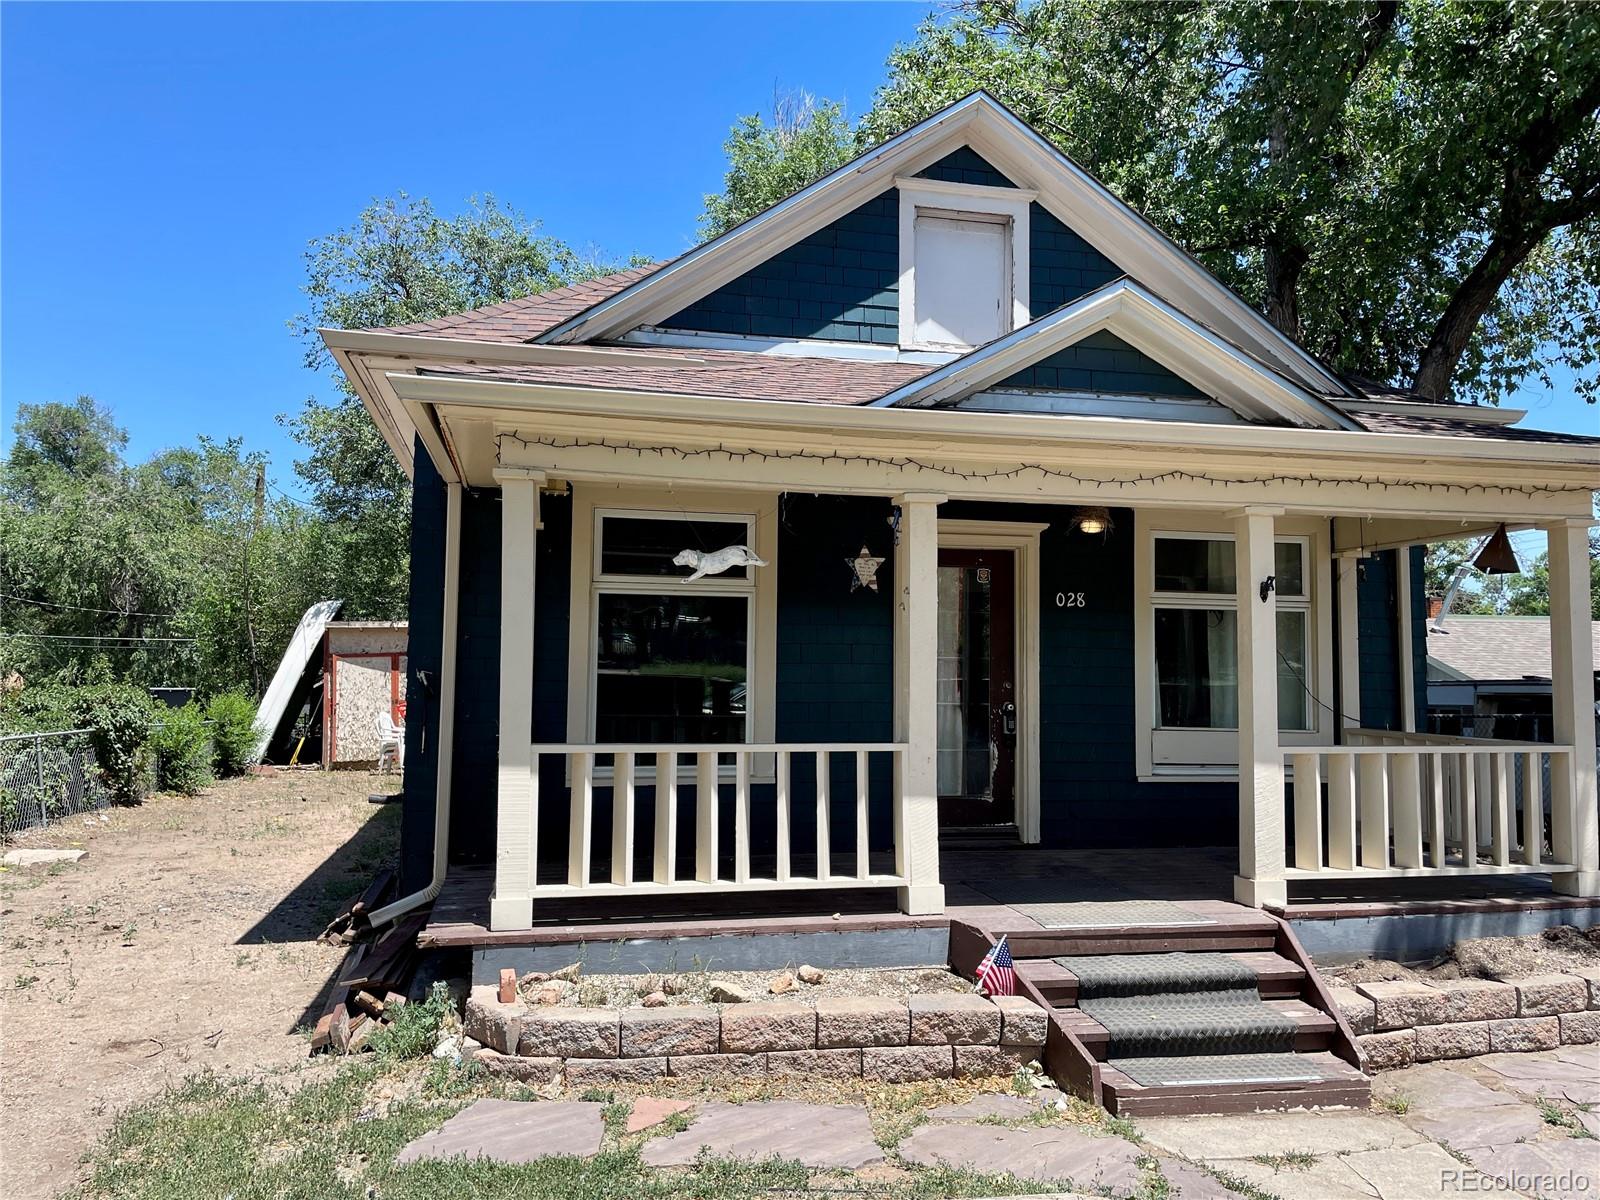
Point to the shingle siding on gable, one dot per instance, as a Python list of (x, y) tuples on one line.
[(841, 283), (1102, 362), (965, 165), (1062, 266)]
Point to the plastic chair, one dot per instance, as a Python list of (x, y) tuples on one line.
[(391, 744)]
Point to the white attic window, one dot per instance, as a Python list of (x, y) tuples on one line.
[(963, 263)]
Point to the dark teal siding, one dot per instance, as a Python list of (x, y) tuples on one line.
[(425, 637), (966, 165), (840, 283), (1062, 266), (1102, 362), (1419, 635), (1377, 610)]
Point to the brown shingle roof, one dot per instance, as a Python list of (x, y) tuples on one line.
[(525, 319), (1500, 648), (1456, 427)]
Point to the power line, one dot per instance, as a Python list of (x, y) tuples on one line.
[(93, 637), (114, 612)]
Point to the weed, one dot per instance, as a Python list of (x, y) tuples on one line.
[(1554, 1114), (415, 1029), (1293, 1160), (1397, 1103), (23, 982)]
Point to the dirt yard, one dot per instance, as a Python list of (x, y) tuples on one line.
[(185, 941)]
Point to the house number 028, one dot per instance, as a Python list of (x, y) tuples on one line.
[(1069, 600)]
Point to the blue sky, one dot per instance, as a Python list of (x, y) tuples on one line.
[(162, 168)]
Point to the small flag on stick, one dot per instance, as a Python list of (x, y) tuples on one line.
[(995, 975)]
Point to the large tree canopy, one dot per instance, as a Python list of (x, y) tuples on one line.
[(1410, 189)]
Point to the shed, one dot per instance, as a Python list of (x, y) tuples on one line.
[(363, 675)]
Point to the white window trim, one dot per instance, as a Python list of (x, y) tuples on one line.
[(591, 503), (936, 198), (1318, 573)]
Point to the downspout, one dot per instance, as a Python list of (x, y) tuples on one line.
[(447, 716)]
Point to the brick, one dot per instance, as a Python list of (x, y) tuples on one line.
[(1473, 1000), (496, 1025), (1579, 1029), (907, 1064), (1530, 1033), (570, 1033), (954, 1020), (1547, 995), (536, 1071), (1386, 1051), (586, 1072), (862, 1021), (675, 1029), (1358, 1010), (1459, 1040), (1022, 1022), (979, 1061), (815, 1064), (1400, 1004), (768, 1025), (717, 1066)]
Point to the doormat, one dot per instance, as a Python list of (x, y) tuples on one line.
[(1102, 914), (1235, 1021), (1153, 974), (1199, 1069)]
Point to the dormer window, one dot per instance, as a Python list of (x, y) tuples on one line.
[(963, 263)]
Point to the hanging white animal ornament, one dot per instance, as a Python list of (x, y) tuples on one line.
[(717, 561)]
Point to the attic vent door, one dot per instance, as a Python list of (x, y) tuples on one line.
[(962, 280)]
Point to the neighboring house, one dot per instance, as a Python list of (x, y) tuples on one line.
[(1055, 531), (1490, 676)]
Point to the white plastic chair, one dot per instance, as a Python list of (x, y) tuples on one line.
[(391, 744)]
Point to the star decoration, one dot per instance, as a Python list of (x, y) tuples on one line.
[(865, 567)]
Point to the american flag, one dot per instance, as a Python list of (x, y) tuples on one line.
[(995, 974)]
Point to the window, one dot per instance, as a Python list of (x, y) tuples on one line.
[(670, 659), (963, 263)]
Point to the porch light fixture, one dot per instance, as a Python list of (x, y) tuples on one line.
[(1092, 520), (1497, 557)]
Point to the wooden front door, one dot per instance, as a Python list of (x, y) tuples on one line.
[(977, 687)]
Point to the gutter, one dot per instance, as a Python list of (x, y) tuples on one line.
[(447, 718)]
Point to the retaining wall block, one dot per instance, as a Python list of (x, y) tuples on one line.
[(767, 1025), (1400, 1004), (1579, 1029), (979, 1061), (1473, 1000), (855, 1021), (1459, 1040), (1525, 1033), (815, 1064), (586, 1072), (1548, 995), (496, 1025), (1386, 1051), (1358, 1010), (907, 1064), (717, 1066), (1022, 1022), (672, 1030), (954, 1020), (571, 1033), (534, 1071)]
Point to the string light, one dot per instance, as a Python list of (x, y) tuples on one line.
[(909, 464)]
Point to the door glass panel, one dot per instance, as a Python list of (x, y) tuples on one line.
[(966, 752)]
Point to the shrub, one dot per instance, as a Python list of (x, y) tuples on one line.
[(233, 732), (182, 745), (414, 1031), (120, 718)]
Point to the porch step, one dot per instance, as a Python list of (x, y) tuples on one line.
[(1330, 1082), (1276, 978), (1170, 1027)]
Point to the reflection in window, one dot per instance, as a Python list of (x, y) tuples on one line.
[(671, 668), (647, 545), (1196, 668)]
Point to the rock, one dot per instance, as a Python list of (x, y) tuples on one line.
[(1386, 1051), (568, 973), (1358, 1010), (718, 1066), (815, 1064), (672, 985), (907, 1064), (973, 1062), (533, 977), (1023, 1023), (648, 985), (782, 983), (1580, 1029), (722, 991), (1533, 1033), (1401, 1003), (1460, 1040), (592, 995), (670, 1030), (650, 1111), (470, 1046), (571, 1033), (654, 1000), (448, 1047), (953, 1020), (862, 1021), (809, 974), (33, 857), (547, 996), (769, 1025), (1549, 995), (586, 1072)]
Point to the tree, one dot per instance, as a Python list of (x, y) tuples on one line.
[(75, 441), (1409, 187), (766, 163)]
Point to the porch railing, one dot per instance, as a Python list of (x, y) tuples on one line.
[(679, 848), (1401, 804)]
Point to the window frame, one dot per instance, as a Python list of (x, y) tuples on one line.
[(962, 201), (1176, 753)]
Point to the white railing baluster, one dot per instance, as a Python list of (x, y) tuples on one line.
[(582, 806), (666, 816), (1308, 811), (1406, 803), (1532, 808), (705, 817), (1436, 820), (622, 819), (824, 820), (1374, 812), (1342, 811), (741, 817), (861, 814), (1483, 790), (1469, 811), (780, 780), (1500, 807)]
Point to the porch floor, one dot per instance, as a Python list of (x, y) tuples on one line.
[(1200, 879)]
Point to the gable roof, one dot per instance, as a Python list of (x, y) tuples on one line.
[(1149, 324), (524, 319), (1503, 649), (1061, 186)]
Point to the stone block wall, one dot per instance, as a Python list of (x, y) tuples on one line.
[(883, 1039), (1398, 1023)]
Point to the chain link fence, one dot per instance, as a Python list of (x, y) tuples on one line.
[(47, 776)]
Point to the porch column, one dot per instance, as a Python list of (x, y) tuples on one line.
[(1575, 821), (1261, 830), (916, 719), (516, 822)]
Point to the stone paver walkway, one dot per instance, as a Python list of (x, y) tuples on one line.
[(1105, 1164), (513, 1131), (817, 1135)]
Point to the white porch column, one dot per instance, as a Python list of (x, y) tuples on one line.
[(916, 719), (1261, 830), (1575, 822), (516, 822)]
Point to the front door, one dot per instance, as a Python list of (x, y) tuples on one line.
[(977, 687)]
